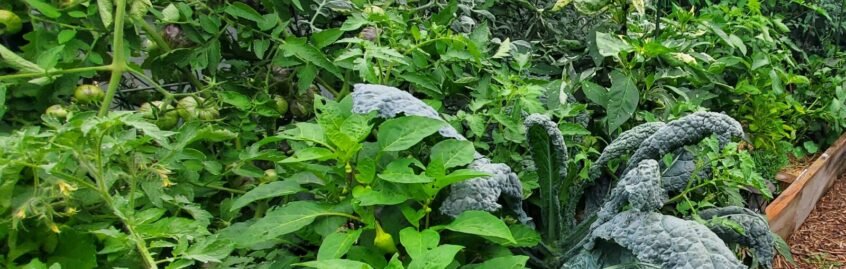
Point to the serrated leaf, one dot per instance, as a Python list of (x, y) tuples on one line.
[(170, 13), (503, 50), (265, 191), (236, 99), (308, 53), (422, 81), (18, 62), (66, 35), (45, 8), (241, 10), (105, 8)]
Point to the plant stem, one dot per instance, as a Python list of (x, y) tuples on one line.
[(56, 72), (118, 57)]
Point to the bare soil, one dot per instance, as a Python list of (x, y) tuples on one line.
[(821, 241)]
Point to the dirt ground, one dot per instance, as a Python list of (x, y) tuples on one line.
[(821, 241)]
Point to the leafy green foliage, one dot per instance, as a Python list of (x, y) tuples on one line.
[(238, 134)]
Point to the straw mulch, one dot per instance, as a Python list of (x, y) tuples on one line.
[(821, 241)]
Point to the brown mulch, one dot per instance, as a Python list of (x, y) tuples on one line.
[(796, 165), (821, 241)]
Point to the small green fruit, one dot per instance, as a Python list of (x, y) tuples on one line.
[(384, 241), (373, 10), (57, 111), (11, 23), (281, 105), (88, 93)]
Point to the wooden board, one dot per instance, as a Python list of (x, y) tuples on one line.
[(790, 209)]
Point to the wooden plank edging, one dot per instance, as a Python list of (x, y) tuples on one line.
[(790, 209)]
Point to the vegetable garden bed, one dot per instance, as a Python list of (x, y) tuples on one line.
[(790, 209), (820, 241)]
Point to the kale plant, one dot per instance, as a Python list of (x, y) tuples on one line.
[(626, 227)]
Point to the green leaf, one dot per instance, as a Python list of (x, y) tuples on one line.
[(265, 191), (379, 196), (18, 62), (326, 37), (811, 147), (306, 131), (105, 7), (422, 81), (504, 262), (783, 248), (458, 176), (481, 223), (45, 8), (308, 53), (622, 100), (405, 178), (66, 35), (452, 153), (335, 264), (353, 23), (241, 10), (402, 133), (446, 14), (595, 93), (74, 250), (738, 43), (148, 128), (288, 219), (503, 50), (572, 129), (551, 165), (236, 99), (418, 243), (170, 13), (209, 249), (308, 154), (3, 104), (610, 45), (437, 258), (337, 244)]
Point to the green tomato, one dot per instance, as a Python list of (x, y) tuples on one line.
[(208, 113), (10, 22), (281, 104), (373, 10), (88, 93), (187, 107), (57, 111), (196, 107), (164, 114), (168, 120)]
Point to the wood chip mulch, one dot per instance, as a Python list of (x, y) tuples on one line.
[(821, 241)]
